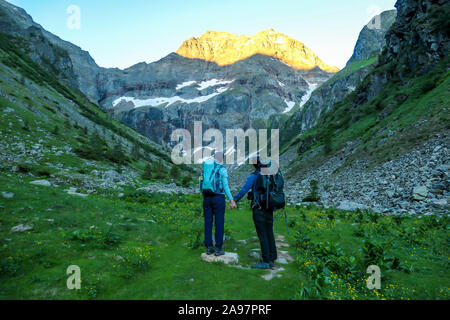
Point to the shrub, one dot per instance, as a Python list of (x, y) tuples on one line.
[(55, 130), (147, 175), (116, 155), (93, 149), (25, 126), (314, 188), (134, 260), (186, 181), (43, 172), (175, 172), (135, 152), (95, 237)]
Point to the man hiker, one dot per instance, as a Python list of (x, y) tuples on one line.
[(214, 187), (262, 216)]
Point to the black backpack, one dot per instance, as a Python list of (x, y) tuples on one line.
[(268, 192)]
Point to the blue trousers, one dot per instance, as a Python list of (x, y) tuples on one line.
[(214, 209)]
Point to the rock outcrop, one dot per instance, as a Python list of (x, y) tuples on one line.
[(371, 39)]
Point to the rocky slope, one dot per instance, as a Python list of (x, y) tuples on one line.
[(370, 43), (70, 63), (417, 182), (225, 48), (53, 136)]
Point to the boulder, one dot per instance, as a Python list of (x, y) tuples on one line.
[(73, 191), (21, 228), (438, 203), (227, 258), (351, 206), (7, 195), (420, 193), (44, 183), (112, 176)]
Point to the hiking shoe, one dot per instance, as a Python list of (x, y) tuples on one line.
[(219, 252), (261, 265), (272, 264), (210, 250)]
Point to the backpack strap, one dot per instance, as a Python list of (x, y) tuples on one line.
[(255, 195)]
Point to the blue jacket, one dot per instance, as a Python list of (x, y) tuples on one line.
[(224, 182), (247, 186)]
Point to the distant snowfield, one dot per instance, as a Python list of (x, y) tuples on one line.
[(290, 105), (167, 101), (305, 98), (212, 83), (205, 84), (185, 84)]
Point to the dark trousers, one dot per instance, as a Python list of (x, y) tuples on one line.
[(264, 228), (214, 209)]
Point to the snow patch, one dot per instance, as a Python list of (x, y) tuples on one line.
[(154, 102), (212, 83), (307, 96), (167, 101), (290, 105), (185, 84)]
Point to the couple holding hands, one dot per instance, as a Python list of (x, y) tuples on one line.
[(214, 187)]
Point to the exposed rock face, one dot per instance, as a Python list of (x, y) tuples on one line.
[(371, 39), (429, 41), (226, 48), (7, 195), (16, 22), (415, 43)]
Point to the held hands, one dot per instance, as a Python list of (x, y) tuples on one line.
[(233, 205)]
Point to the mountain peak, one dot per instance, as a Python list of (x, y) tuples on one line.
[(226, 48)]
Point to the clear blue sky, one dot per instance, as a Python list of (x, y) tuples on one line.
[(120, 33)]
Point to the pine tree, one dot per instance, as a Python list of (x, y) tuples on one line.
[(136, 152), (147, 175)]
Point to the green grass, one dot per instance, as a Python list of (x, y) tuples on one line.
[(37, 259), (351, 68), (146, 246)]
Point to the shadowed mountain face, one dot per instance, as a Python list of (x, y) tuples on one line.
[(176, 91)]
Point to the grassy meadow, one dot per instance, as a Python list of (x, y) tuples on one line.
[(148, 246)]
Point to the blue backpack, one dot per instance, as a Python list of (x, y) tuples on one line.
[(210, 179)]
